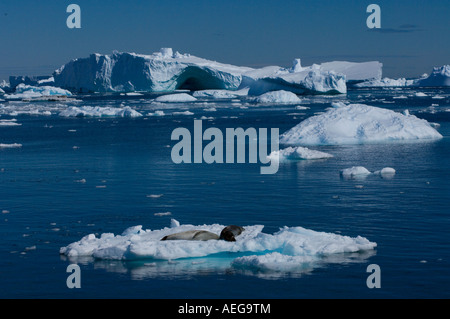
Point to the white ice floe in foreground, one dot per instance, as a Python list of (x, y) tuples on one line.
[(357, 124), (289, 242), (166, 71), (96, 111), (279, 97), (297, 153), (29, 92)]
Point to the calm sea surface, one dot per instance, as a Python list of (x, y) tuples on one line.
[(77, 176)]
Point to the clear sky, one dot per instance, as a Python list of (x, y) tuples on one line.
[(414, 34)]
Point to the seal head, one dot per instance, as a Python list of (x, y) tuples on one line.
[(230, 232)]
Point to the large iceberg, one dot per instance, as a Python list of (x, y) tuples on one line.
[(159, 72), (166, 71), (387, 82), (357, 124)]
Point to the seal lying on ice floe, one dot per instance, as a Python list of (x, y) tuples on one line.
[(227, 234)]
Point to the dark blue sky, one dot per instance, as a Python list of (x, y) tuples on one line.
[(414, 37)]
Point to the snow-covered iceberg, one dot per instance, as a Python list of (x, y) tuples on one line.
[(136, 243), (166, 71), (96, 111), (24, 91), (356, 124)]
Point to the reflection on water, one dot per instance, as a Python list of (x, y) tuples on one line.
[(218, 264)]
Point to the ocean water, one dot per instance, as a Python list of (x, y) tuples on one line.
[(78, 176)]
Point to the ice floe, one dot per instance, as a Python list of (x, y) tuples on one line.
[(297, 153), (97, 111), (176, 98), (14, 145), (285, 250), (24, 91)]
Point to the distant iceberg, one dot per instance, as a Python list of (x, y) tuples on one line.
[(166, 71), (357, 124), (299, 80), (387, 82), (282, 97), (440, 76), (24, 91), (162, 71)]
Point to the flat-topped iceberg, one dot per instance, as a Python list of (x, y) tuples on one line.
[(24, 91), (357, 124), (137, 243), (166, 71)]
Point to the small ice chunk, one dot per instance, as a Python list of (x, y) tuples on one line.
[(14, 145), (174, 223), (355, 172), (175, 98), (281, 96), (297, 153)]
